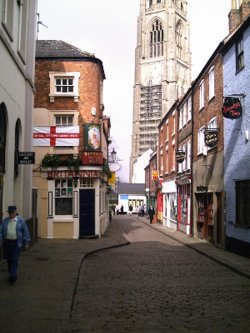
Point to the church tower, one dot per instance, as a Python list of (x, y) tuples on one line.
[(162, 69)]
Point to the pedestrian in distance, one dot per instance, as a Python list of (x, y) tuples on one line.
[(151, 213), (130, 209), (14, 236)]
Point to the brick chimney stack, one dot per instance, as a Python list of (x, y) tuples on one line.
[(240, 9)]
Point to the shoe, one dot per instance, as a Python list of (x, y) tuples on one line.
[(12, 279)]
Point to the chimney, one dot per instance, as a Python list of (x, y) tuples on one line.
[(234, 16), (240, 9), (245, 9)]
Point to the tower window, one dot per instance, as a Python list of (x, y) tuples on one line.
[(156, 39)]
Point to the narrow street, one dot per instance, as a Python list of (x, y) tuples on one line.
[(156, 284)]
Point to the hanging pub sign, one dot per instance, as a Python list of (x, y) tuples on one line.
[(180, 156), (211, 137), (232, 108), (92, 137)]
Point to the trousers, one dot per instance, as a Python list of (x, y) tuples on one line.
[(11, 254)]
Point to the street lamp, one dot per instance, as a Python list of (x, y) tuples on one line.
[(113, 155)]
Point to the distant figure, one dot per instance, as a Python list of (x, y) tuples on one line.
[(151, 213), (116, 210), (139, 211), (130, 209), (121, 210), (142, 210)]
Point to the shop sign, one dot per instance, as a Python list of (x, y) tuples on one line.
[(201, 188), (232, 108), (73, 174), (26, 158), (92, 158), (211, 137), (154, 174), (180, 156), (92, 137)]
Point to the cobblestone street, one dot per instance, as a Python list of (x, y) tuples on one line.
[(156, 284)]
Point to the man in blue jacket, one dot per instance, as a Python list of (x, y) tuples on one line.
[(14, 234)]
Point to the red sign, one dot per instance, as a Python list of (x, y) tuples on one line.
[(92, 158), (73, 173), (232, 108)]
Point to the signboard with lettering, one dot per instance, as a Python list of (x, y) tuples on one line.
[(232, 108), (73, 174), (211, 137), (180, 155), (92, 158), (26, 158)]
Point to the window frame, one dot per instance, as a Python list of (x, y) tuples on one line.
[(201, 94), (59, 198), (64, 75), (242, 197), (239, 54), (211, 83)]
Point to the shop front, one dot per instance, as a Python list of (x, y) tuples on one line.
[(184, 204), (169, 192), (73, 203)]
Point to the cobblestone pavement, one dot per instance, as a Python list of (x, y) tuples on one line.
[(157, 285)]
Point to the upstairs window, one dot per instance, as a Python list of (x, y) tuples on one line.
[(201, 141), (64, 120), (22, 28), (8, 17), (64, 84), (211, 83), (239, 55), (201, 90)]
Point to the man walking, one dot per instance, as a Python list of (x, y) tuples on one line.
[(14, 234)]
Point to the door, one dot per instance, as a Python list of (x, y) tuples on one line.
[(87, 213)]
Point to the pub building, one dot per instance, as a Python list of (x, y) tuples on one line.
[(70, 140)]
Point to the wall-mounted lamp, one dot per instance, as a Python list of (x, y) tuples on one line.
[(113, 155)]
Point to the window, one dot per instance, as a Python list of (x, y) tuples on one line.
[(156, 39), (22, 33), (8, 17), (239, 55), (3, 130), (64, 120), (64, 85), (212, 123), (211, 83), (201, 140), (181, 117), (201, 89), (242, 188), (178, 38), (189, 106), (63, 196)]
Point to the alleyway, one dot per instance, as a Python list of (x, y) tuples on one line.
[(157, 285)]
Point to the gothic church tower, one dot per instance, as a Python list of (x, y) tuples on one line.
[(162, 69)]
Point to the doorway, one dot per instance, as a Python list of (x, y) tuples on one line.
[(87, 213)]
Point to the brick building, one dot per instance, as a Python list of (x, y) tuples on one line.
[(70, 138), (167, 145)]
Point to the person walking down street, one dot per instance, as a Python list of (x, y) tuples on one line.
[(14, 234), (130, 208), (151, 213)]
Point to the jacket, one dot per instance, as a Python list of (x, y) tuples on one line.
[(22, 231)]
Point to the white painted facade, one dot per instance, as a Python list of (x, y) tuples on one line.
[(17, 49)]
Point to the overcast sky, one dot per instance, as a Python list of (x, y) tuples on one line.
[(107, 28)]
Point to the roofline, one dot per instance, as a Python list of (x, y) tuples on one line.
[(85, 59)]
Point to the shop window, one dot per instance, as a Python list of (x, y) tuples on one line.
[(243, 202), (63, 196)]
